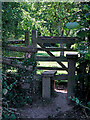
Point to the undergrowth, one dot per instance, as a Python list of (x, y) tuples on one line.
[(14, 96)]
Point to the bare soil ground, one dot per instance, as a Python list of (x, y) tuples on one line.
[(45, 109), (56, 107)]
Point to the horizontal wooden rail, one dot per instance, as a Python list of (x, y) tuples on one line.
[(55, 49), (21, 49), (56, 77), (42, 58), (61, 77), (57, 37), (16, 41), (62, 40), (16, 64), (16, 58), (51, 68)]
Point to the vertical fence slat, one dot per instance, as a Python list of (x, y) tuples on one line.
[(27, 35), (34, 44), (27, 43)]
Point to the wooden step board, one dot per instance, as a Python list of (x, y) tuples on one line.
[(49, 73)]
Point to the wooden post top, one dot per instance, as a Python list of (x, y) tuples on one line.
[(72, 56), (49, 73)]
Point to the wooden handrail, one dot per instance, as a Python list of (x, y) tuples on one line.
[(21, 49), (16, 41), (16, 64)]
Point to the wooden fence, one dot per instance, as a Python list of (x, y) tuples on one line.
[(27, 49), (40, 40), (70, 58)]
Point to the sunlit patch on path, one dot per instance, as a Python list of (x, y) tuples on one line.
[(62, 91)]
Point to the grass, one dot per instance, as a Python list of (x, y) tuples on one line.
[(51, 64)]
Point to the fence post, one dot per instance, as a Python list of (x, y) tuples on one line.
[(71, 74), (34, 44), (34, 41), (27, 43)]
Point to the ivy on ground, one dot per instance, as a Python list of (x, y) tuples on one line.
[(14, 95)]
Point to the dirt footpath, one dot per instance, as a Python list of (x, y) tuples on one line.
[(46, 109)]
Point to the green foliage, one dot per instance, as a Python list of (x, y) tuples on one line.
[(83, 33), (13, 116), (10, 21), (50, 19), (13, 93), (9, 85), (78, 102), (83, 48), (88, 104)]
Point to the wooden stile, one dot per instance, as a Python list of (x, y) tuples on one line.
[(71, 59)]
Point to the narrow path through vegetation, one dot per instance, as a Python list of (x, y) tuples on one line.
[(46, 109), (57, 107)]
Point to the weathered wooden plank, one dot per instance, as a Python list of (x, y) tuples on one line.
[(42, 58), (16, 41), (55, 49), (50, 73), (50, 68), (21, 49), (16, 58), (57, 37), (34, 43), (61, 77), (27, 43), (61, 40), (27, 37), (15, 64), (56, 77)]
